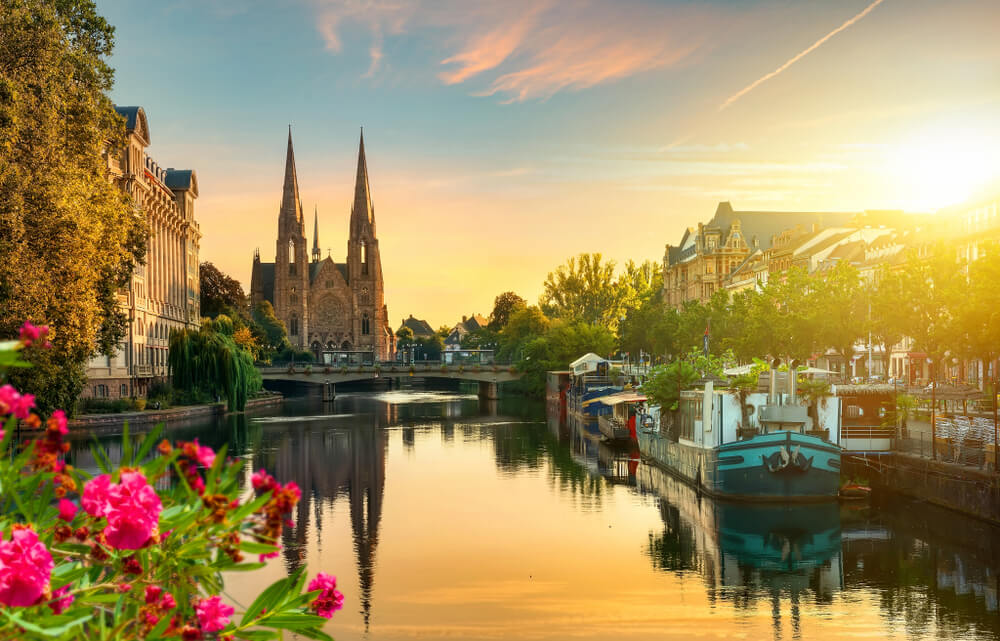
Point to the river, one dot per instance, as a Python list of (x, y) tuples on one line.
[(446, 517)]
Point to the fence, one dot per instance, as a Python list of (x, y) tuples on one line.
[(960, 440)]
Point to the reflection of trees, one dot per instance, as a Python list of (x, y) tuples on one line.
[(929, 566)]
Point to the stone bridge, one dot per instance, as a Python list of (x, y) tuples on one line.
[(488, 376)]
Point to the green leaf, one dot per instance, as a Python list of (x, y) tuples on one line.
[(126, 446), (293, 621), (242, 567), (252, 547), (267, 599), (55, 631), (100, 457), (148, 442), (258, 635), (314, 633)]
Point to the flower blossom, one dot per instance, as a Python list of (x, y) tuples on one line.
[(61, 600), (67, 510), (213, 614), (95, 495), (13, 402), (133, 512), (330, 599), (30, 333), (25, 568)]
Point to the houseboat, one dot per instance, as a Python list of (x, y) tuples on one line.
[(590, 379), (626, 408), (769, 449)]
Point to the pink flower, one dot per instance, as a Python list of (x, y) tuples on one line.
[(13, 402), (95, 495), (153, 593), (31, 333), (270, 555), (213, 614), (262, 481), (133, 512), (330, 599), (67, 510), (206, 455), (198, 485), (61, 599), (25, 568), (168, 601), (58, 420)]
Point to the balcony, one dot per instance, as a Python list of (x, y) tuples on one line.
[(142, 370)]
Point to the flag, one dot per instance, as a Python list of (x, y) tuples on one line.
[(707, 326)]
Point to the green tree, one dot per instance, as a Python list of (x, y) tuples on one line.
[(584, 289), (275, 334), (665, 383), (556, 348), (504, 306), (886, 302), (220, 293), (69, 237), (209, 362), (404, 336)]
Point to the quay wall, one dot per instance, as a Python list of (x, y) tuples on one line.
[(955, 487), (174, 414)]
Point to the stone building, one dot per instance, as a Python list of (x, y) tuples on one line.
[(326, 305), (702, 262), (463, 328), (163, 293)]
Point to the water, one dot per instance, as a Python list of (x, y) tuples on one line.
[(445, 517)]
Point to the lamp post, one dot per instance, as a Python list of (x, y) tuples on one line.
[(930, 365)]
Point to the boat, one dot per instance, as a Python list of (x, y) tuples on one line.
[(620, 424), (769, 452), (590, 379)]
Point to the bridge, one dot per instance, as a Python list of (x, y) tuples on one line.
[(489, 377)]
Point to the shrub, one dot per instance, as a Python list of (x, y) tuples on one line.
[(139, 551)]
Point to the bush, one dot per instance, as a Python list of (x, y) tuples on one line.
[(139, 404), (104, 405), (140, 550)]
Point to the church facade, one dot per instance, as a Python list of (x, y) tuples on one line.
[(326, 305)]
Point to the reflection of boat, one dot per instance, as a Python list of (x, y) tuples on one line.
[(616, 464), (774, 453), (786, 549)]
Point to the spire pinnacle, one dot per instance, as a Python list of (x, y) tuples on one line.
[(291, 207), (362, 212), (316, 250)]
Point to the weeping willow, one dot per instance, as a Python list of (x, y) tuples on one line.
[(208, 360)]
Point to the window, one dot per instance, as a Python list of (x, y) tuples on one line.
[(291, 257), (365, 325), (294, 331), (364, 257), (123, 392)]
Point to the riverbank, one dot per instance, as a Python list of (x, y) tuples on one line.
[(172, 415)]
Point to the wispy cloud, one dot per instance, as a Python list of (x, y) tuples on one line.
[(526, 49), (799, 56)]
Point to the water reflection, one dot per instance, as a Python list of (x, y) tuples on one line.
[(455, 508)]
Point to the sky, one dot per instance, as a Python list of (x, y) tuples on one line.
[(504, 137)]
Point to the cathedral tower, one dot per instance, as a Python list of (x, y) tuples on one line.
[(291, 269), (364, 265)]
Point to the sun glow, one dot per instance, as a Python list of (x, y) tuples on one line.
[(938, 168)]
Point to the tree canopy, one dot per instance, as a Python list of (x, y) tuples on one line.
[(220, 293), (69, 237)]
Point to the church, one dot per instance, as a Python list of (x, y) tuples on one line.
[(326, 305)]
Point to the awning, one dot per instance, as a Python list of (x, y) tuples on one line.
[(615, 399)]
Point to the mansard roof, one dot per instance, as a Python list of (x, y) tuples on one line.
[(135, 121), (182, 180)]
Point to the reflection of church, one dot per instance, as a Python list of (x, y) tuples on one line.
[(328, 464), (326, 305)]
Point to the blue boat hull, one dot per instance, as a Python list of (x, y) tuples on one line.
[(777, 467)]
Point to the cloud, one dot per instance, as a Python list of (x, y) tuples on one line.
[(526, 49), (799, 56)]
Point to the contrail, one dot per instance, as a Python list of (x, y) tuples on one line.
[(742, 92)]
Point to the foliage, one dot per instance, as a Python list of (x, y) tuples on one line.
[(524, 325), (220, 293), (484, 338), (209, 361), (275, 335), (405, 337), (245, 339), (139, 552), (584, 289), (69, 237), (555, 349), (504, 306), (812, 391), (665, 383)]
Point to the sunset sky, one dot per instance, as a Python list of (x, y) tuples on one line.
[(503, 137)]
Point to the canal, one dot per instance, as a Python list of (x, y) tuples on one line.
[(446, 516)]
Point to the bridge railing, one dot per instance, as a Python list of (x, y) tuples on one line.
[(385, 366)]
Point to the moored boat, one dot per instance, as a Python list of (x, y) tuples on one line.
[(779, 455)]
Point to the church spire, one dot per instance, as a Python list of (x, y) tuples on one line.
[(315, 251), (291, 207), (362, 212)]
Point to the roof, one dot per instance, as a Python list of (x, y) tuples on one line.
[(181, 180), (131, 115), (586, 363), (418, 326), (135, 121), (267, 281), (615, 399)]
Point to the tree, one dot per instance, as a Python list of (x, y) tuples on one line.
[(220, 293), (556, 348), (504, 306), (405, 337), (272, 327), (584, 289), (208, 361), (812, 391), (523, 326), (69, 238)]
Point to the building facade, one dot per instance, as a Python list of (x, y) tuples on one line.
[(326, 305), (163, 293)]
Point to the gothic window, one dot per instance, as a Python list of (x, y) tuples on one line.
[(295, 299), (294, 330), (364, 257), (365, 325), (291, 257), (365, 299)]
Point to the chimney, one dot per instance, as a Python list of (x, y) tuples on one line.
[(792, 382), (772, 388)]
